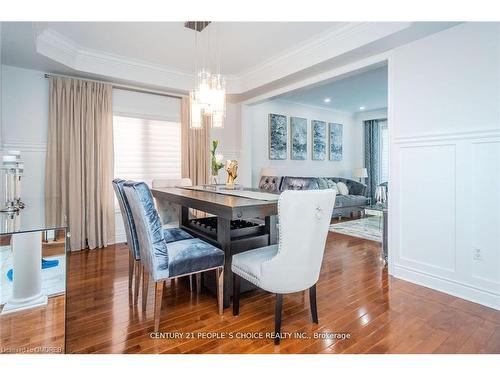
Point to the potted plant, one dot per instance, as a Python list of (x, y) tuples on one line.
[(216, 162)]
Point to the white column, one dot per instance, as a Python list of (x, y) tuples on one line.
[(27, 266)]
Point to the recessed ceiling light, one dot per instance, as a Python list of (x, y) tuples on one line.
[(362, 108), (327, 100)]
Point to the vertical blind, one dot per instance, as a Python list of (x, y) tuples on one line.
[(384, 152), (146, 149)]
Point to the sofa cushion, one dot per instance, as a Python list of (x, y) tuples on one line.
[(326, 183), (333, 185), (322, 183), (350, 201)]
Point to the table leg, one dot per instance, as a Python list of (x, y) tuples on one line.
[(183, 216), (27, 275), (224, 240), (271, 229), (385, 253)]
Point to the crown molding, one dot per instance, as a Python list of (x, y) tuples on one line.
[(320, 48), (57, 47)]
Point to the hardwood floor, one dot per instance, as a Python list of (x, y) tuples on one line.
[(36, 331), (355, 296), (39, 330)]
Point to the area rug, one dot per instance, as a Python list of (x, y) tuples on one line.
[(53, 279), (369, 228)]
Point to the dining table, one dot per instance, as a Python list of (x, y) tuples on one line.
[(234, 220)]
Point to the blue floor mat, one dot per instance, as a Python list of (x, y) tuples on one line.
[(45, 264)]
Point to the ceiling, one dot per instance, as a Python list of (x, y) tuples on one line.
[(242, 45), (366, 89), (256, 58)]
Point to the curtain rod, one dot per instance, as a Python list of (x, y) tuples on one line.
[(123, 87)]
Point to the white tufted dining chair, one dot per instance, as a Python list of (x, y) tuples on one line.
[(294, 264)]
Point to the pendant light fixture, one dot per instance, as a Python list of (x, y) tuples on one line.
[(208, 98)]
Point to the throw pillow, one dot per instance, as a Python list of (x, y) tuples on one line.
[(342, 188), (322, 183), (332, 185)]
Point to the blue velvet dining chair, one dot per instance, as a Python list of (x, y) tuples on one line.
[(162, 260), (134, 265)]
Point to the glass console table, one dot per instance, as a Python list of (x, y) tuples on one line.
[(380, 209), (32, 280)]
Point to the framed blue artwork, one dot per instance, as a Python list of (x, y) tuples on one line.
[(335, 137), (318, 132), (298, 138), (277, 137)]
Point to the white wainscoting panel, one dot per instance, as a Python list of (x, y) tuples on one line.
[(485, 218), (445, 213), (428, 203)]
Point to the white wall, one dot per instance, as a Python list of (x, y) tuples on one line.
[(25, 98), (256, 119), (445, 162), (230, 139)]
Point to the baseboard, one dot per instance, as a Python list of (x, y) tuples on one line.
[(120, 237), (456, 289)]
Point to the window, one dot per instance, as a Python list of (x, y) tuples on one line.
[(146, 149), (384, 152)]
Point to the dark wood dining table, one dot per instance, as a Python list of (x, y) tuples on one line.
[(240, 224)]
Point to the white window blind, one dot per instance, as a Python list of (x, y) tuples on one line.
[(384, 152), (146, 149)]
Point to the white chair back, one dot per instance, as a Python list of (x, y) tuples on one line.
[(169, 212), (304, 223)]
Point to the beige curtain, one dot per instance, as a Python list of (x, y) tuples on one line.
[(79, 164), (195, 148)]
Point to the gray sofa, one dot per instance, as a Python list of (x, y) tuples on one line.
[(345, 205)]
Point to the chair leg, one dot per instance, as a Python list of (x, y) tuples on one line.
[(145, 284), (190, 283), (220, 289), (130, 269), (236, 294), (158, 299), (277, 318), (137, 275), (312, 303), (198, 283)]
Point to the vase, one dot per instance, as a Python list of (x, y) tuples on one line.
[(214, 179)]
